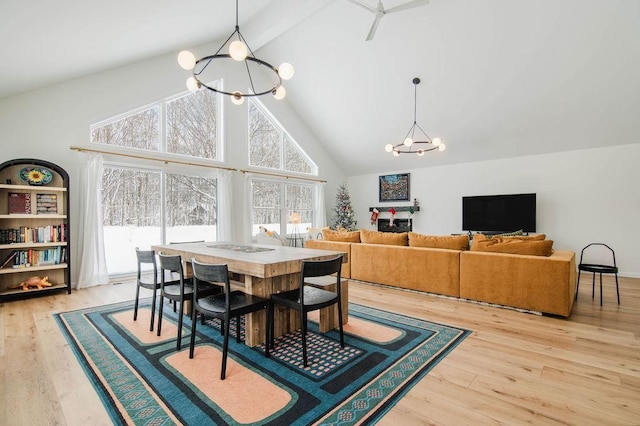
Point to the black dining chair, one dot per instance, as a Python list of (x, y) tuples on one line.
[(308, 298), (598, 268), (178, 290), (147, 257), (225, 306)]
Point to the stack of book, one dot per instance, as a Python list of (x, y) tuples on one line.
[(19, 203), (26, 258), (40, 234), (46, 204)]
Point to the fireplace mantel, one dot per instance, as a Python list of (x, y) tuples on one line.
[(397, 209)]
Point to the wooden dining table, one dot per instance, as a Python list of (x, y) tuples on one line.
[(260, 270)]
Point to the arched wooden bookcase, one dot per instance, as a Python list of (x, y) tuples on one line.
[(35, 233)]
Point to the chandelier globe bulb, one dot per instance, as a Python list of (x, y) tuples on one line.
[(192, 84), (237, 98), (186, 60), (238, 50), (396, 153), (420, 152), (280, 93), (286, 71), (408, 142), (436, 142), (388, 147), (442, 147)]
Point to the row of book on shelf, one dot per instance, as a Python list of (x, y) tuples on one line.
[(40, 234), (21, 203), (35, 257)]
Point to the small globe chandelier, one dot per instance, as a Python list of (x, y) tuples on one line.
[(411, 145), (239, 54)]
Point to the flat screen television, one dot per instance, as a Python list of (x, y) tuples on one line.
[(499, 213)]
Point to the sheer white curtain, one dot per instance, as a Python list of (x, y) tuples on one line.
[(225, 219), (93, 263), (320, 218), (248, 209)]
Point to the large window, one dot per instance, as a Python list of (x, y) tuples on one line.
[(143, 206), (186, 124), (271, 147), (275, 202)]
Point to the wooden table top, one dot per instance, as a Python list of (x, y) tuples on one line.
[(258, 260)]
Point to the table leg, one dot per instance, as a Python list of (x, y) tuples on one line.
[(285, 319)]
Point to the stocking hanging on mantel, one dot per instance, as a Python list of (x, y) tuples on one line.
[(392, 211), (374, 216)]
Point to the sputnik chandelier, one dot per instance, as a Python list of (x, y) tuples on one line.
[(269, 80), (410, 145)]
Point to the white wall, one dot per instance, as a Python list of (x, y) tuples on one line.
[(582, 197), (44, 123)]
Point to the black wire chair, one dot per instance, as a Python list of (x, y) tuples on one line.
[(598, 269)]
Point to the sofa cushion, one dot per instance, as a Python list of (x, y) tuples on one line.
[(451, 242), (388, 238), (342, 236), (507, 234), (513, 245)]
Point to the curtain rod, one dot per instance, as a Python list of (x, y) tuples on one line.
[(284, 176), (145, 157)]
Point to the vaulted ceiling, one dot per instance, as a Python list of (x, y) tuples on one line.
[(500, 78)]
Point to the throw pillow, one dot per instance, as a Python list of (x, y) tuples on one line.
[(343, 236), (387, 238), (507, 234), (314, 233), (271, 237), (537, 237), (512, 246), (451, 242)]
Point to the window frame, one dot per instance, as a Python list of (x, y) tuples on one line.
[(162, 153), (282, 148), (284, 211)]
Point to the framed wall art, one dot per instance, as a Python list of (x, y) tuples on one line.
[(394, 187)]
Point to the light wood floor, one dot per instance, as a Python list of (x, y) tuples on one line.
[(516, 368)]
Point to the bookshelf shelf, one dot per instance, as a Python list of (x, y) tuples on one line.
[(38, 233), (33, 216), (4, 271), (30, 188)]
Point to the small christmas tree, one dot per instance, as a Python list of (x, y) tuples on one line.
[(343, 212)]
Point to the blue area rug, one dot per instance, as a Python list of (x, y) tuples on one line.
[(139, 383)]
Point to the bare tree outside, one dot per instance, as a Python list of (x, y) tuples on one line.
[(274, 202), (132, 196), (192, 126), (139, 130), (265, 147)]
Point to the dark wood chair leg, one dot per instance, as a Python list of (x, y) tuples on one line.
[(303, 330), (225, 347), (135, 305), (153, 308), (160, 310), (194, 321), (180, 316), (617, 289)]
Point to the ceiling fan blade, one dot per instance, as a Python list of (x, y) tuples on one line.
[(365, 5), (374, 26), (407, 5)]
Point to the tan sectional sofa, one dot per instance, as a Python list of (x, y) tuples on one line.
[(539, 283), (536, 283)]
